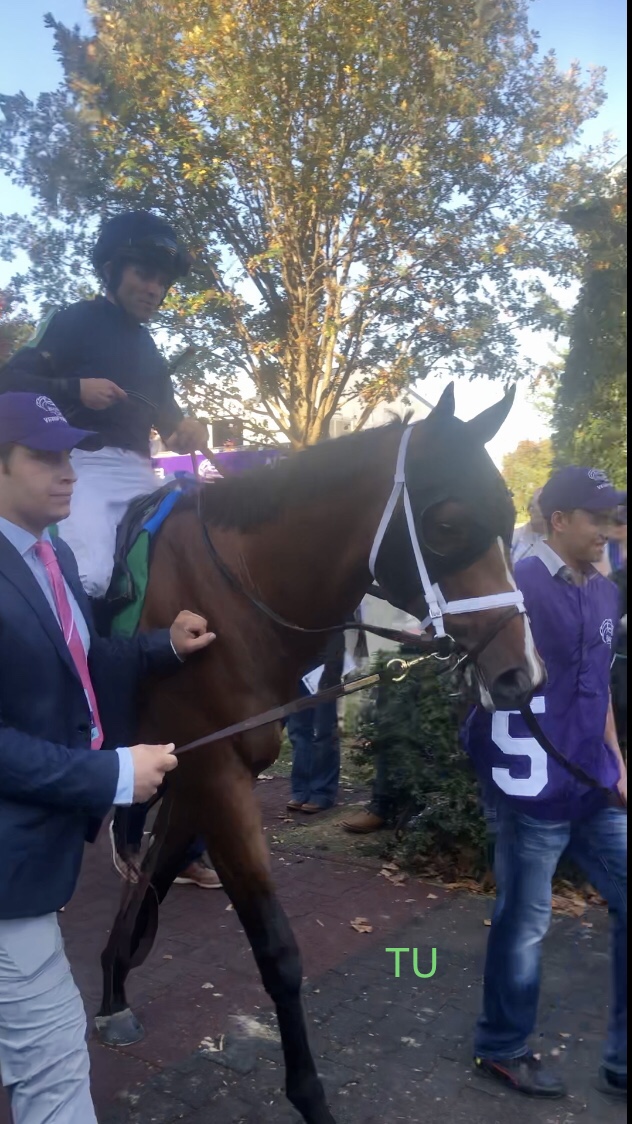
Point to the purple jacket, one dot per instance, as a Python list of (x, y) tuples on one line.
[(574, 631)]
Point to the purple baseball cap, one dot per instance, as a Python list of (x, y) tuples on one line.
[(575, 487), (33, 420)]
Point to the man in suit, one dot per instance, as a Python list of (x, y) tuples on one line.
[(64, 694)]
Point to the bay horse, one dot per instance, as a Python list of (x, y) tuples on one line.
[(296, 538)]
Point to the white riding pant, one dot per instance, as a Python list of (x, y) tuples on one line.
[(44, 1061), (107, 482)]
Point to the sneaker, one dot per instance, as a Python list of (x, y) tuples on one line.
[(127, 867), (614, 1084), (525, 1074), (198, 874)]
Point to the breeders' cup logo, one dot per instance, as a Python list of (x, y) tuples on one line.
[(54, 413), (607, 632), (600, 477)]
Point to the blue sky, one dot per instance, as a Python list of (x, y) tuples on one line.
[(591, 31)]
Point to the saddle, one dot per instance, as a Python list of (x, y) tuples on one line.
[(135, 539)]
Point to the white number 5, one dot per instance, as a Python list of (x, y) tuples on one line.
[(519, 747)]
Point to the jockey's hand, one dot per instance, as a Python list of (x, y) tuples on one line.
[(622, 787), (189, 633), (151, 762), (98, 394), (190, 436)]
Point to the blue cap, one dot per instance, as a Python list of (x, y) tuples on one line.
[(575, 487), (33, 420)]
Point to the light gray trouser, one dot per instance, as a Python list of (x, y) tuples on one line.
[(44, 1061)]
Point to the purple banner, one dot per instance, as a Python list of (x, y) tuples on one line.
[(230, 461)]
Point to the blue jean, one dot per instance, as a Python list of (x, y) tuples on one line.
[(315, 744), (527, 854)]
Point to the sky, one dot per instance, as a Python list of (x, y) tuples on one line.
[(590, 31)]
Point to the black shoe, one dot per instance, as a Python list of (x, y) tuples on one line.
[(614, 1084), (525, 1074)]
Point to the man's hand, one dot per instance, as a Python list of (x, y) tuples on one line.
[(189, 633), (190, 436), (622, 787), (151, 762), (98, 394)]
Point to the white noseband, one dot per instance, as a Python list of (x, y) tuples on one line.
[(436, 602)]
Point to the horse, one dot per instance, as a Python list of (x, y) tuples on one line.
[(272, 559)]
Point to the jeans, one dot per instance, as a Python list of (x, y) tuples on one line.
[(382, 803), (128, 829), (527, 854), (315, 744)]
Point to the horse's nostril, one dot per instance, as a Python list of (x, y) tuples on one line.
[(512, 689)]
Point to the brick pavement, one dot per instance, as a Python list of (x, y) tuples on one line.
[(388, 1049)]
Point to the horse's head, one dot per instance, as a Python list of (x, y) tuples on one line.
[(464, 518)]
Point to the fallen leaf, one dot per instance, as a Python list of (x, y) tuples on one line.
[(571, 906), (208, 985), (432, 896), (390, 866), (394, 879), (167, 956), (487, 922), (228, 907), (564, 1034), (320, 923), (361, 925)]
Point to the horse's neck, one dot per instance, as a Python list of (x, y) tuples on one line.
[(312, 565)]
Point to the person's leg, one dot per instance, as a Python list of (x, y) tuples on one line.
[(107, 482), (300, 731), (44, 1060), (600, 846), (90, 529), (325, 758), (381, 797), (380, 808), (527, 853)]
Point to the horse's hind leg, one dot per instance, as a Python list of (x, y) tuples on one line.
[(116, 1023), (237, 848)]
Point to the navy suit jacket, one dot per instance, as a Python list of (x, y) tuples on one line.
[(55, 790)]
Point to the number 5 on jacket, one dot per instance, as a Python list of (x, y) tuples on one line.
[(519, 747)]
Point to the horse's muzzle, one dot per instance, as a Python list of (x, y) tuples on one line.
[(513, 689)]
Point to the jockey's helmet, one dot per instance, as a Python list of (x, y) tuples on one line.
[(143, 238)]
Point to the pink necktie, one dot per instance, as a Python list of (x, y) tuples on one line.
[(45, 552)]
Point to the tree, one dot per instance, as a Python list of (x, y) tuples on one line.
[(369, 186), (590, 411), (15, 328), (524, 470)]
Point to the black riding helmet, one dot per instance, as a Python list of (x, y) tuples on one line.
[(141, 237)]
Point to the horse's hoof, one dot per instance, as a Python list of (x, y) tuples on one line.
[(120, 1029)]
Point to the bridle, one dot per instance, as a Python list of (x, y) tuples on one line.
[(437, 605), (442, 643)]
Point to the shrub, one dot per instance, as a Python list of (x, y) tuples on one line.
[(434, 789)]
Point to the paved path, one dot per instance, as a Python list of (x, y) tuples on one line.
[(389, 1050)]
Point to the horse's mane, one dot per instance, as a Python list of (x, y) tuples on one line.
[(260, 495)]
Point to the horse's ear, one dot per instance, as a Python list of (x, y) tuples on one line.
[(446, 405), (486, 425)]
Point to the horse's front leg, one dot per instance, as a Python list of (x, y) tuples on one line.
[(237, 848), (279, 960)]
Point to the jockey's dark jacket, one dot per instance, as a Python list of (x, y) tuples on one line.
[(95, 339), (55, 790)]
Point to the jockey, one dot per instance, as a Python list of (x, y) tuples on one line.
[(99, 364)]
